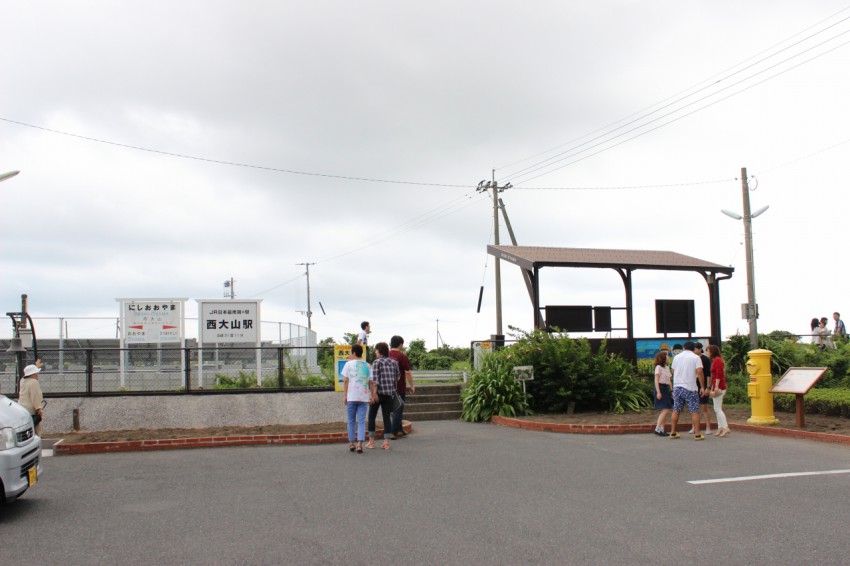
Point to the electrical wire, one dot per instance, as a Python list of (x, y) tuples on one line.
[(572, 151), (807, 156), (394, 232), (691, 104), (233, 163), (625, 187)]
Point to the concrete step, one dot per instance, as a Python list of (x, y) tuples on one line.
[(434, 403), (416, 408), (417, 398), (445, 389), (432, 416)]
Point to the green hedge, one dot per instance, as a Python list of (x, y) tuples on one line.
[(832, 402)]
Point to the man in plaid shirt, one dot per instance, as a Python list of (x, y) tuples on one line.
[(385, 374)]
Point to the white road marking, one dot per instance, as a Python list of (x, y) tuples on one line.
[(46, 453), (768, 477)]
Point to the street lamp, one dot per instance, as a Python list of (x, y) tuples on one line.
[(749, 311), (8, 175)]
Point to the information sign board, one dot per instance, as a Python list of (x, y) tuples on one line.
[(798, 381)]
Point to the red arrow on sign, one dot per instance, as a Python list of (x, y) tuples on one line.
[(140, 327), (166, 327)]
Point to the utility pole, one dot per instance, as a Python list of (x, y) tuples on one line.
[(749, 311), (499, 337), (752, 307), (309, 312)]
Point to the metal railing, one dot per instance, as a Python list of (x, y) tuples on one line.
[(105, 371)]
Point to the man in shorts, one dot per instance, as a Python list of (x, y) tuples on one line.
[(688, 386), (706, 374)]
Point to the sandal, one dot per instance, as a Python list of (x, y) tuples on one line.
[(351, 447), (370, 445), (385, 446), (360, 448)]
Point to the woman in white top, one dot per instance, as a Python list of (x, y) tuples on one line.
[(663, 392)]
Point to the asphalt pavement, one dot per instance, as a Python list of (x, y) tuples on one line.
[(450, 493)]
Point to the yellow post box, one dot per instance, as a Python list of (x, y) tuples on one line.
[(758, 389)]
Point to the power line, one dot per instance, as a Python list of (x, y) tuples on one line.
[(686, 106), (571, 152), (233, 163), (711, 78)]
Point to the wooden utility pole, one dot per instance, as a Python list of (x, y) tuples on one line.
[(485, 186)]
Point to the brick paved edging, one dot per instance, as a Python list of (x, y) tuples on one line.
[(575, 428), (62, 449)]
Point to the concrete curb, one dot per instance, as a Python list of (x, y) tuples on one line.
[(62, 449), (574, 428)]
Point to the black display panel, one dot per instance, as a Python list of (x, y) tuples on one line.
[(602, 319), (674, 316), (570, 318)]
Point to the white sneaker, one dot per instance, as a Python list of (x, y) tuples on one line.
[(691, 431)]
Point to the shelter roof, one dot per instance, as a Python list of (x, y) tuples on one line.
[(530, 257)]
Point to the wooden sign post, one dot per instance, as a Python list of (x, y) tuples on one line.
[(798, 381)]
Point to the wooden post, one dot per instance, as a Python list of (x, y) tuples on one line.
[(801, 418)]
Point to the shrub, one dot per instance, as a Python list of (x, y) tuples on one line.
[(243, 380), (567, 373), (833, 402), (432, 361), (493, 391)]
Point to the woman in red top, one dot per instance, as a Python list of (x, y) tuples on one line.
[(718, 389)]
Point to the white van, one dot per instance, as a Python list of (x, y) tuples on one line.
[(20, 450)]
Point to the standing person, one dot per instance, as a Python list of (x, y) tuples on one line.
[(30, 397), (839, 325), (814, 324), (405, 381), (688, 384), (718, 389), (663, 393), (385, 376), (365, 330), (357, 393), (704, 399), (820, 333)]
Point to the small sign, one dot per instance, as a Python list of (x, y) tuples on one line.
[(798, 381), (342, 353), (524, 373)]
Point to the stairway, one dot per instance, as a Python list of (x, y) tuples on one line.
[(434, 403)]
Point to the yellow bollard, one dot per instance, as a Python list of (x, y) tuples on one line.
[(758, 366)]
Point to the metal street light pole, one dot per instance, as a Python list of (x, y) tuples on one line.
[(751, 308)]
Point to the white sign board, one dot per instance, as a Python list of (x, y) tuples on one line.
[(229, 322), (152, 321)]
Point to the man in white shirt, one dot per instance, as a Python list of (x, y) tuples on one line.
[(688, 387)]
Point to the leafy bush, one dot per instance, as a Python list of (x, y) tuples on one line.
[(736, 389), (432, 360), (243, 380), (567, 373), (833, 402), (493, 391)]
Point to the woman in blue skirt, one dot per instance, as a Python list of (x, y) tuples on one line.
[(663, 391)]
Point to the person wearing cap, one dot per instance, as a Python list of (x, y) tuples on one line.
[(699, 350), (30, 396)]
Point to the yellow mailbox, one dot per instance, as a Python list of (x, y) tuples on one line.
[(758, 389)]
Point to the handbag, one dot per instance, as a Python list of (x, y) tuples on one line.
[(398, 402), (36, 418)]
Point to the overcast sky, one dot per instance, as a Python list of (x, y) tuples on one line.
[(166, 147)]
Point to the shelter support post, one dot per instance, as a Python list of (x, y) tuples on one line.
[(626, 275)]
